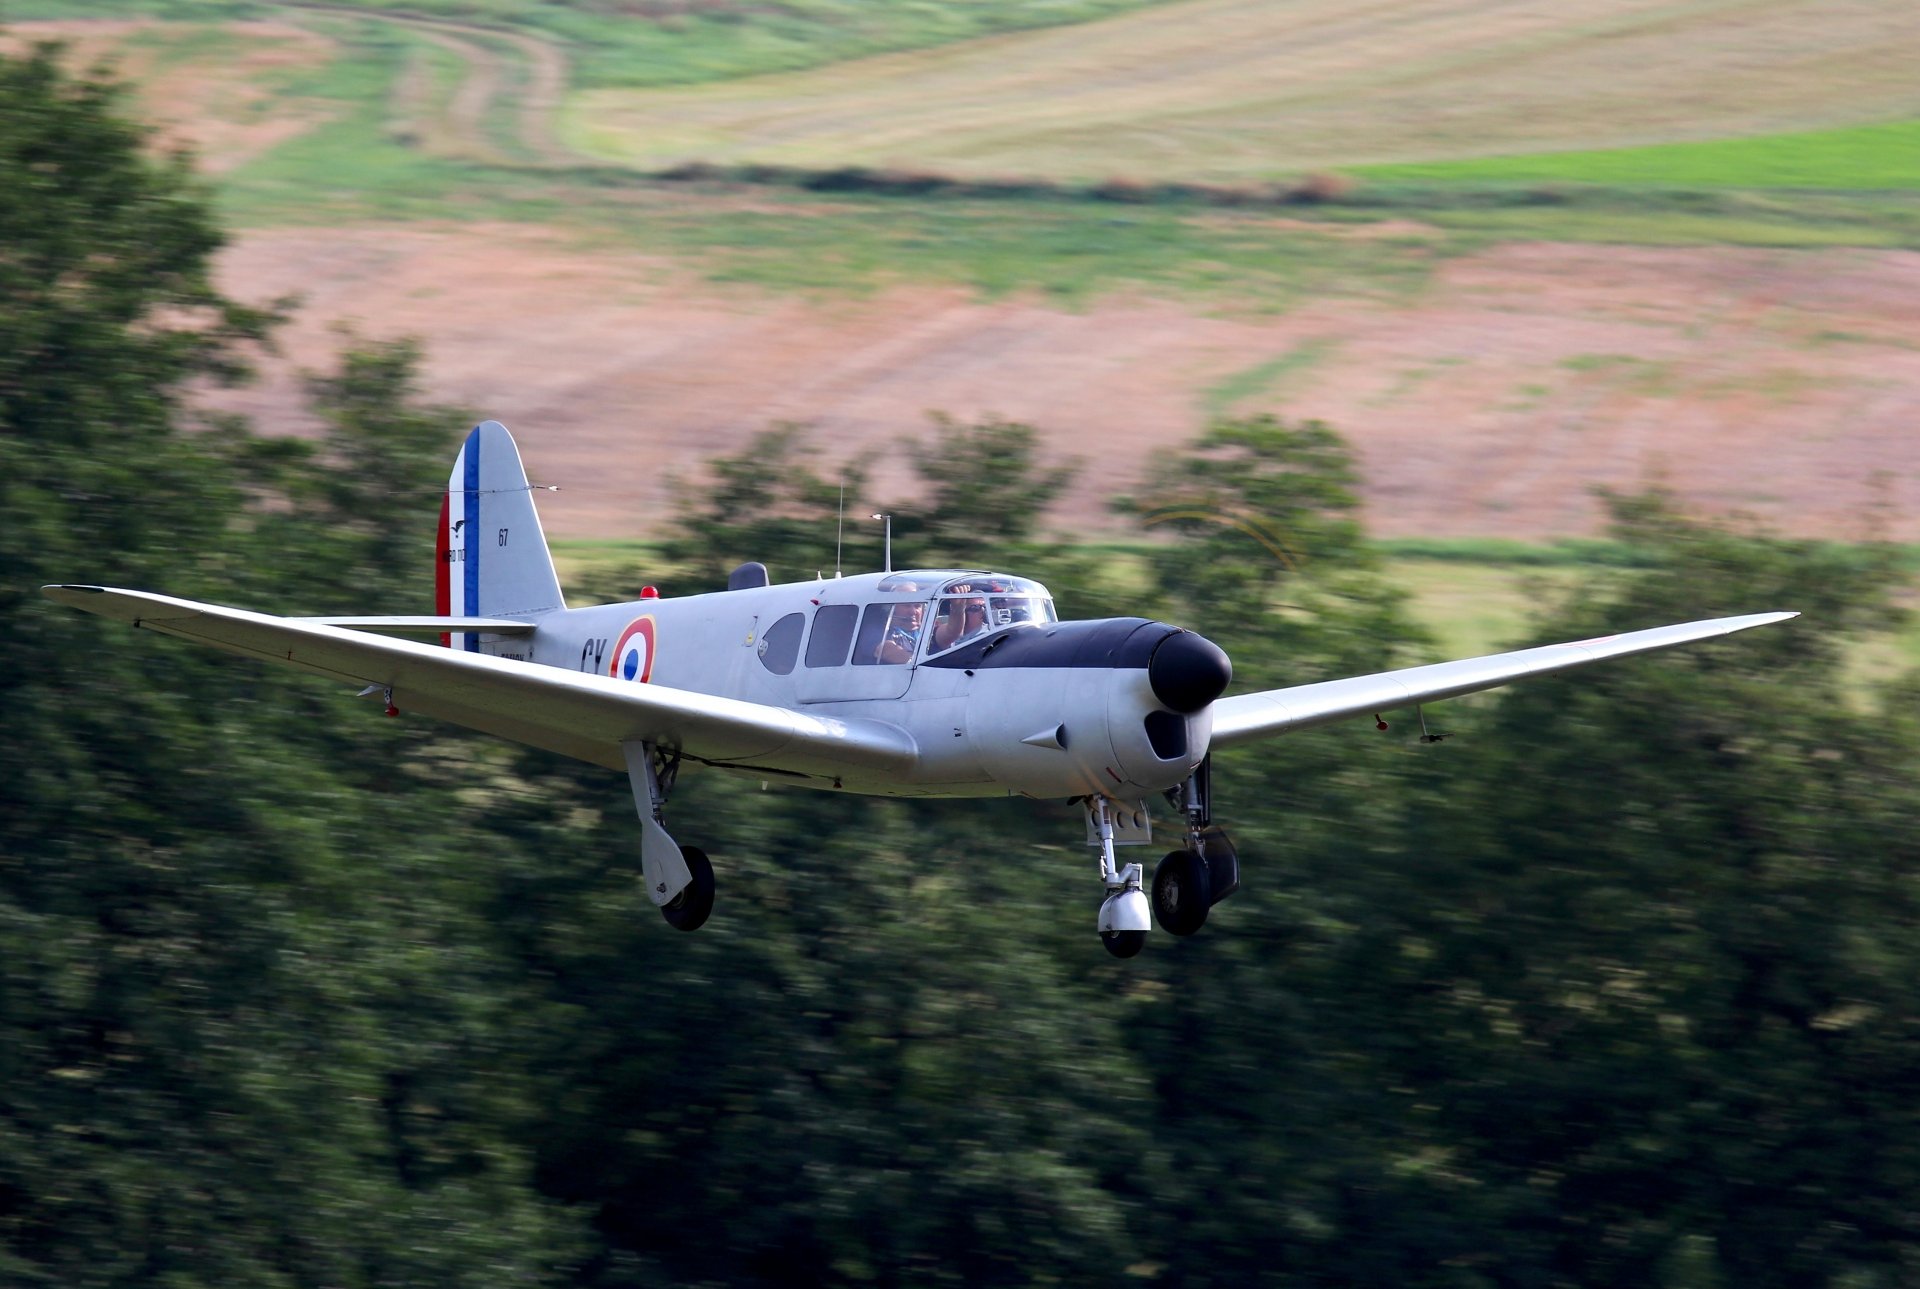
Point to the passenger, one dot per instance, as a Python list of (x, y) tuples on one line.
[(903, 634)]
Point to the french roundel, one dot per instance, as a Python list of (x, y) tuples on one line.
[(633, 656)]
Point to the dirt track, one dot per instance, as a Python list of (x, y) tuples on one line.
[(1771, 382)]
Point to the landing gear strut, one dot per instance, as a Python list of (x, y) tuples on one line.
[(1188, 883), (1124, 920), (679, 879)]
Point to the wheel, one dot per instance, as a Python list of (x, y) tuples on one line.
[(688, 911), (1124, 944), (1182, 892)]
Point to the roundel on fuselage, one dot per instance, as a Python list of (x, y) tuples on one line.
[(633, 655)]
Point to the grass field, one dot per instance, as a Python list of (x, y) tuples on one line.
[(472, 117), (661, 42), (1872, 157), (1246, 89)]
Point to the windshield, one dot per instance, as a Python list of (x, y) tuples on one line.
[(971, 607)]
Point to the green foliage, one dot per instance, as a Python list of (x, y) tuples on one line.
[(106, 311), (1646, 962), (229, 1055), (769, 503), (985, 493), (1272, 562), (383, 466)]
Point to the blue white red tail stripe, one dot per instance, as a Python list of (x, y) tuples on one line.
[(470, 581), (488, 512)]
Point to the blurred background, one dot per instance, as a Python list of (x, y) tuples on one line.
[(1353, 338)]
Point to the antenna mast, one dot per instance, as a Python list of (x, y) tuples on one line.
[(840, 528)]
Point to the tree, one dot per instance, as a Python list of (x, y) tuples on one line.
[(232, 1051), (1268, 556), (986, 494), (1610, 989), (767, 503)]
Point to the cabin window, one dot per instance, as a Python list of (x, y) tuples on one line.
[(832, 635), (889, 634), (780, 645)]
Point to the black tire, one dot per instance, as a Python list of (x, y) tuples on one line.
[(1124, 944), (1182, 892), (689, 910)]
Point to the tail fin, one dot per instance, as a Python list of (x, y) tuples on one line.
[(493, 553)]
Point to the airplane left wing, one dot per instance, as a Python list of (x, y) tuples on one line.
[(570, 712), (1246, 717)]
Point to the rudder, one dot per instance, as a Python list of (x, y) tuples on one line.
[(494, 560)]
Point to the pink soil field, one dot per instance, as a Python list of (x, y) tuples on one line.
[(226, 120), (1781, 385)]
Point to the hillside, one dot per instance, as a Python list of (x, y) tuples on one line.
[(1494, 352)]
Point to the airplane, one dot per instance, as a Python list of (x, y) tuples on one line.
[(948, 682)]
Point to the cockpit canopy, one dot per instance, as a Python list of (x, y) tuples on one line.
[(914, 614), (967, 605)]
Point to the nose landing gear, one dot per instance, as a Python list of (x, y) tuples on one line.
[(1124, 920)]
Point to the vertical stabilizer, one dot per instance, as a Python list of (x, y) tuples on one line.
[(493, 553)]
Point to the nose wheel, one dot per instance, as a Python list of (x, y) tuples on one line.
[(1124, 918)]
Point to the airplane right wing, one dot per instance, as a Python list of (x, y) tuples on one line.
[(1246, 717), (573, 713)]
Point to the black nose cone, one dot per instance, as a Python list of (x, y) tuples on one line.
[(1188, 671)]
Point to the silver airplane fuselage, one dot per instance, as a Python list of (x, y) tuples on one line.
[(1024, 705)]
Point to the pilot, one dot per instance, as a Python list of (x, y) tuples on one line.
[(972, 619), (903, 633)]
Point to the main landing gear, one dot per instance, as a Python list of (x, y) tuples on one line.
[(679, 878), (1186, 884)]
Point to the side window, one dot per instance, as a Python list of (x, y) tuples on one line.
[(889, 634), (873, 629), (832, 634), (780, 644)]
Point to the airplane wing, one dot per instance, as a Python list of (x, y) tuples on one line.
[(427, 626), (576, 714), (1246, 717)]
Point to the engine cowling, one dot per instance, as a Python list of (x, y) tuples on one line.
[(1121, 706)]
